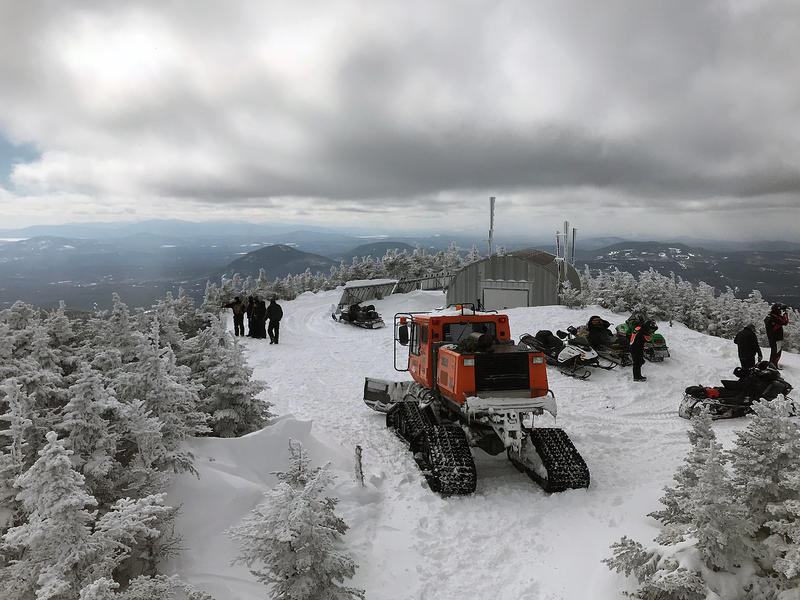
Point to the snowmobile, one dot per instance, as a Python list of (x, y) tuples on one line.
[(655, 348), (735, 397), (360, 316), (612, 352), (473, 386), (572, 357)]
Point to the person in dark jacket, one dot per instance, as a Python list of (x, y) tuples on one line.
[(638, 338), (598, 332), (251, 303), (747, 343), (259, 318), (774, 323), (274, 314), (238, 315)]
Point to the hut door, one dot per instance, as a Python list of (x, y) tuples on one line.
[(499, 298)]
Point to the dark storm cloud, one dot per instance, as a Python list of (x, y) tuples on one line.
[(367, 109)]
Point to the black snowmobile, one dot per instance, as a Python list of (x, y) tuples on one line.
[(572, 357), (734, 398), (360, 316)]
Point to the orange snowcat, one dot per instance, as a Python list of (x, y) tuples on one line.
[(473, 386)]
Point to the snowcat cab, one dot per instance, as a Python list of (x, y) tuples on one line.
[(472, 386)]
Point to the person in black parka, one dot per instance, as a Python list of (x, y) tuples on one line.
[(274, 314), (638, 338), (259, 319), (748, 347), (774, 323)]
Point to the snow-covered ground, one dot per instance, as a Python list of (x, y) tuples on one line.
[(507, 541)]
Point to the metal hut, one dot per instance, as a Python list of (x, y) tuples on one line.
[(528, 277)]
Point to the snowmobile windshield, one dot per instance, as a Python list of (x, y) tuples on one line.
[(455, 332)]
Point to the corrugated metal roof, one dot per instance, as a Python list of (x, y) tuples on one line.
[(540, 257)]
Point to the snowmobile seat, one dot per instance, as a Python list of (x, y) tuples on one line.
[(549, 341), (733, 384)]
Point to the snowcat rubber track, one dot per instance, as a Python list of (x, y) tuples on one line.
[(446, 461), (565, 467), (408, 421), (441, 451)]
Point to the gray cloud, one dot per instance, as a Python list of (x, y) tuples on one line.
[(362, 111)]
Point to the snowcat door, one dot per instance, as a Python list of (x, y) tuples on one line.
[(401, 337)]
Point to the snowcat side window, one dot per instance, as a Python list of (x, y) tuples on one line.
[(415, 338), (424, 334)]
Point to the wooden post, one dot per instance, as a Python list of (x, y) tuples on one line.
[(359, 469)]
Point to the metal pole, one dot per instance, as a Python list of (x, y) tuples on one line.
[(491, 223), (574, 234)]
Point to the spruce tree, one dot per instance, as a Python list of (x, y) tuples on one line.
[(168, 393), (718, 520), (292, 540), (89, 422), (228, 393), (677, 500), (764, 458), (50, 550)]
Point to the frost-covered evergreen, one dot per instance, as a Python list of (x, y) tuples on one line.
[(89, 422), (677, 500), (228, 394), (83, 514), (732, 516), (168, 393), (292, 540), (63, 545)]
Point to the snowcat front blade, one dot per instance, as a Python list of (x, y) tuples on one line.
[(381, 394)]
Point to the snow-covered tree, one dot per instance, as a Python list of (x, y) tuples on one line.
[(765, 460), (49, 551), (473, 255), (292, 540), (89, 425), (168, 393), (677, 499), (228, 395), (570, 297), (718, 519)]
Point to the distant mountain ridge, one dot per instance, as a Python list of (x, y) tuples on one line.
[(278, 261), (376, 250), (142, 261)]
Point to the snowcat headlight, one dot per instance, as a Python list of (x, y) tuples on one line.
[(469, 362), (537, 360)]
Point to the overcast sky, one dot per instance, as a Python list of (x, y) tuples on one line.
[(679, 117)]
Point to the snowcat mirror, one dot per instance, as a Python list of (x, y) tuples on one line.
[(561, 334), (402, 335)]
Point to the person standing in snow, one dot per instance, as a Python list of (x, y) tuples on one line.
[(774, 323), (274, 314), (259, 318), (640, 334), (748, 347), (250, 305), (238, 315)]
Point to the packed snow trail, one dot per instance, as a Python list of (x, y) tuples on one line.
[(509, 540)]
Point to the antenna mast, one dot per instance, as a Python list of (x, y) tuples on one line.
[(565, 253), (491, 223)]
